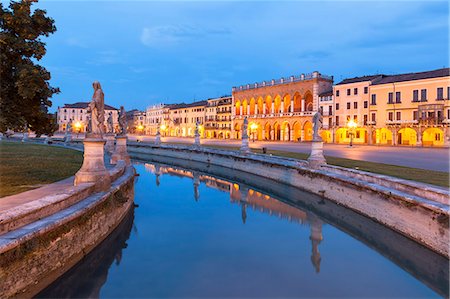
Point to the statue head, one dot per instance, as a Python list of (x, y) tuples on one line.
[(96, 85)]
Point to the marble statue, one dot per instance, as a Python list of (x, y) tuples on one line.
[(196, 133), (89, 125), (123, 121), (69, 126), (317, 125), (245, 128), (97, 110), (110, 123)]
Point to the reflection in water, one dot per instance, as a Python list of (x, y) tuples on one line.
[(244, 196), (87, 277), (200, 249)]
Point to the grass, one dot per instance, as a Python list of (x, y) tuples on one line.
[(432, 177), (28, 166)]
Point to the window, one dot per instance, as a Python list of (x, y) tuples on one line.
[(448, 113), (337, 93), (391, 116), (348, 118), (437, 137), (365, 119), (355, 105), (337, 120), (390, 98), (348, 105), (330, 110), (373, 117), (355, 91), (358, 134), (415, 115), (355, 118), (374, 99), (440, 93), (337, 106), (398, 97), (399, 115), (423, 95), (366, 90), (366, 104), (348, 91), (448, 93), (415, 95)]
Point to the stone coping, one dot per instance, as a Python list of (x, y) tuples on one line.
[(425, 193), (46, 224), (24, 208)]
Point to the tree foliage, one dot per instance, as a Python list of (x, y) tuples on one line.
[(24, 85)]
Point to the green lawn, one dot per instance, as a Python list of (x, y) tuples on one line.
[(420, 175), (28, 166)]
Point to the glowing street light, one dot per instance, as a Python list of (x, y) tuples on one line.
[(253, 128), (351, 129), (77, 126)]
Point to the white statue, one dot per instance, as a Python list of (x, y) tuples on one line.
[(123, 121), (317, 125), (110, 123), (245, 128), (97, 110)]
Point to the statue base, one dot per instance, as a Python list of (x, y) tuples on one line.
[(93, 169), (47, 140), (197, 141), (68, 139), (120, 153), (158, 139), (316, 158), (244, 147), (25, 137), (109, 145)]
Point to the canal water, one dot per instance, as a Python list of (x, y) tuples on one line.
[(196, 234)]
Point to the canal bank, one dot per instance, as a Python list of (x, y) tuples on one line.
[(418, 211)]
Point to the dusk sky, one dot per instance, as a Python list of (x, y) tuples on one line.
[(146, 52)]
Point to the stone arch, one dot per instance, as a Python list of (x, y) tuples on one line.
[(297, 102), (267, 131), (308, 101), (383, 136), (252, 106), (287, 103), (260, 105), (268, 104), (297, 131), (238, 107), (433, 137), (406, 136), (276, 131), (286, 131), (244, 107), (307, 131), (237, 130), (277, 104)]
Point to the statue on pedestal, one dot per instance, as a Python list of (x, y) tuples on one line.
[(245, 129), (244, 147), (197, 134), (317, 125), (96, 108), (122, 121), (110, 123)]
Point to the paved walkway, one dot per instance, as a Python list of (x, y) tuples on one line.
[(417, 157)]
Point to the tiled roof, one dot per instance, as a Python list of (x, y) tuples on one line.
[(444, 72), (326, 93), (83, 105), (184, 105), (360, 79)]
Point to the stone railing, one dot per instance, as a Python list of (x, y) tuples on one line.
[(273, 115), (418, 211)]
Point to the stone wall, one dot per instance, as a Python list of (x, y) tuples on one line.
[(408, 211), (34, 255)]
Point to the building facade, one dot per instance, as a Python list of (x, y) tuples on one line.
[(156, 116), (218, 118), (77, 113), (407, 109), (183, 119), (279, 109)]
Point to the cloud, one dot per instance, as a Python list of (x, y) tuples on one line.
[(169, 35)]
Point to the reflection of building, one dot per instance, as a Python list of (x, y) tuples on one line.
[(405, 109), (279, 109), (77, 113)]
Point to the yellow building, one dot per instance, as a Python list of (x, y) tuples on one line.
[(218, 118), (407, 109), (157, 116), (183, 118)]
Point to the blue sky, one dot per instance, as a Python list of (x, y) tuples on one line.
[(146, 52)]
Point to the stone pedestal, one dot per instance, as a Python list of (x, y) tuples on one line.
[(197, 141), (109, 145), (47, 140), (158, 139), (68, 138), (25, 137), (316, 158), (93, 169), (120, 152), (244, 147)]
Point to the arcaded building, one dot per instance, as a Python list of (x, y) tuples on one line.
[(279, 109)]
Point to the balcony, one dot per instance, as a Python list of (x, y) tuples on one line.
[(401, 122), (274, 115)]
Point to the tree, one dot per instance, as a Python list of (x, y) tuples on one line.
[(24, 85)]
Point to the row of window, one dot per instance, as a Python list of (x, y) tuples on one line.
[(355, 91)]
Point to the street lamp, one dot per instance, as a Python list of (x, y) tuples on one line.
[(78, 127), (253, 128), (163, 129), (351, 129)]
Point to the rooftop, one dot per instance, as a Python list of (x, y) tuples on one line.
[(444, 72), (360, 79), (184, 105), (84, 105)]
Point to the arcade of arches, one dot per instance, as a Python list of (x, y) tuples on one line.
[(277, 130)]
